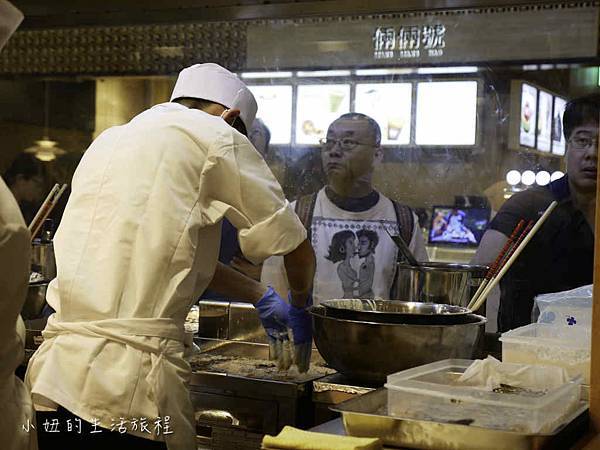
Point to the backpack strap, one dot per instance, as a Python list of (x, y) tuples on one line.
[(406, 221), (305, 207)]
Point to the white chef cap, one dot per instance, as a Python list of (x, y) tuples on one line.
[(10, 18), (212, 82)]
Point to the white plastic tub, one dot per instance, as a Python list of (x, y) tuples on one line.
[(431, 392), (546, 344)]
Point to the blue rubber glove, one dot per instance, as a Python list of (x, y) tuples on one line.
[(300, 323), (273, 312)]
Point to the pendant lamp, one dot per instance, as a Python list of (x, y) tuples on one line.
[(45, 149)]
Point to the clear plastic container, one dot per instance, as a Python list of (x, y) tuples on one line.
[(431, 392), (546, 344)]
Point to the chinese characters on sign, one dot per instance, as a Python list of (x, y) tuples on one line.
[(409, 41), (158, 426)]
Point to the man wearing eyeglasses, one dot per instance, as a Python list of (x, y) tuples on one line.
[(561, 255), (347, 210)]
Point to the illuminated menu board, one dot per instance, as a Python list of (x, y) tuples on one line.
[(446, 113), (528, 115), (544, 121), (275, 110), (390, 105), (558, 136), (317, 106)]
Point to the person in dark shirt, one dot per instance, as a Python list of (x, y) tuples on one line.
[(25, 179), (561, 255)]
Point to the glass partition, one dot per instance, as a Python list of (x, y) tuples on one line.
[(465, 123)]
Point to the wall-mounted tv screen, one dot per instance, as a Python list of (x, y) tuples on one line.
[(390, 105), (558, 136), (528, 115), (451, 225), (317, 106), (446, 113), (275, 110), (544, 121)]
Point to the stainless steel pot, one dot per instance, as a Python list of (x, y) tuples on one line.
[(35, 301), (451, 284), (367, 351), (42, 259)]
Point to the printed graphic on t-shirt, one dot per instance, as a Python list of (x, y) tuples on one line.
[(343, 247), (355, 258)]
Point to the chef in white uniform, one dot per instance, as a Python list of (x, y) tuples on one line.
[(137, 245), (17, 422)]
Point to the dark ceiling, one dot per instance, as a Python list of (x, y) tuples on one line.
[(60, 13)]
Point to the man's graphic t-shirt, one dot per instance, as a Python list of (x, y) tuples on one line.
[(354, 254)]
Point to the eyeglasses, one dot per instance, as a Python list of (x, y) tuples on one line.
[(583, 142), (344, 143)]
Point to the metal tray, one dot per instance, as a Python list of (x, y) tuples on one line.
[(366, 416)]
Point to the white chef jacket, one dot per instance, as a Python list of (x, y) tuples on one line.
[(368, 276), (137, 244), (17, 419)]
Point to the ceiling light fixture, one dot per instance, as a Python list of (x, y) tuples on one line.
[(45, 149)]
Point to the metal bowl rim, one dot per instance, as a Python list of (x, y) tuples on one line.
[(481, 321), (460, 310), (439, 266)]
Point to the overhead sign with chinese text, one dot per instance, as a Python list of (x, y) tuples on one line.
[(409, 41), (452, 37)]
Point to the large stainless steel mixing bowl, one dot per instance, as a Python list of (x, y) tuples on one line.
[(393, 311), (452, 284), (367, 351)]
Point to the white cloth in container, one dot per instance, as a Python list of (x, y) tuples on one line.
[(490, 374)]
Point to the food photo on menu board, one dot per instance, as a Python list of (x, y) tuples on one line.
[(275, 110), (528, 115), (318, 106), (558, 137), (446, 113), (544, 122), (390, 105)]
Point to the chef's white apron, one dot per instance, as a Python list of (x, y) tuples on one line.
[(162, 339)]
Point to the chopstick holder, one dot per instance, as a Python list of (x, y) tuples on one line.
[(496, 264), (519, 246)]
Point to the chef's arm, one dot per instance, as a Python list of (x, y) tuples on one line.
[(300, 268), (233, 284), (491, 244)]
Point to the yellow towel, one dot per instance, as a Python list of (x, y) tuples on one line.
[(291, 438)]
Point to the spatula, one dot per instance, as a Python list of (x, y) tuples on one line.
[(403, 248)]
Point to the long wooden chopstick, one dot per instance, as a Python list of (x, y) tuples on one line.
[(505, 257), (46, 209), (40, 211), (519, 248), (496, 264)]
